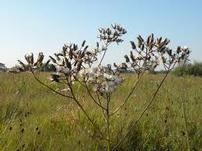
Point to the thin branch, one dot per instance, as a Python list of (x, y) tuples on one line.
[(106, 45), (108, 122), (129, 95), (146, 108), (103, 110), (78, 103), (94, 100), (102, 57), (84, 111), (90, 94), (45, 85), (98, 97), (73, 97)]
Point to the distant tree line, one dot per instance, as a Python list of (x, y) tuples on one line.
[(17, 68), (193, 69), (3, 68), (43, 68)]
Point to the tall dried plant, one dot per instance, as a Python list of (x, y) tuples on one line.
[(84, 65)]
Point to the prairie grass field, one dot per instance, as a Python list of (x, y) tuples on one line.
[(32, 118)]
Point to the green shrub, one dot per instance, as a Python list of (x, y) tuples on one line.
[(194, 69)]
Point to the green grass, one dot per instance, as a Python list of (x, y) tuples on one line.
[(34, 119)]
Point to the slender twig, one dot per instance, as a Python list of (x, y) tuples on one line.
[(98, 97), (78, 103), (129, 95), (102, 57), (108, 123), (72, 97), (90, 94), (84, 111), (99, 100), (146, 108), (94, 100), (106, 45), (45, 85)]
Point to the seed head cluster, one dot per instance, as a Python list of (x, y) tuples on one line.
[(101, 79), (150, 53)]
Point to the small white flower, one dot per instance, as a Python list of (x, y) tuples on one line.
[(101, 79)]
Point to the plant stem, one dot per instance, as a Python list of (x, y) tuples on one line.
[(83, 110), (73, 97), (108, 124), (102, 57), (106, 45), (42, 83), (186, 125), (129, 95), (146, 108)]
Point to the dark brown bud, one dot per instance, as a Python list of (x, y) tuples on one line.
[(83, 43), (127, 58), (133, 45)]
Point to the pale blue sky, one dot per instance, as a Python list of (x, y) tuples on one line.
[(45, 25)]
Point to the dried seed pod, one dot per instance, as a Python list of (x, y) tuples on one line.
[(132, 56), (64, 48), (178, 49), (148, 40), (97, 44), (127, 58), (142, 47), (79, 65), (57, 57), (133, 45), (68, 64), (159, 40), (152, 38), (140, 38), (115, 65), (124, 66), (82, 45), (22, 64), (39, 59), (124, 31), (100, 30), (163, 59), (27, 58), (113, 26), (169, 51), (52, 59), (139, 43), (85, 48), (71, 54), (119, 41), (47, 62), (75, 47)]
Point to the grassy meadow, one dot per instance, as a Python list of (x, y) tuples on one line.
[(34, 119)]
